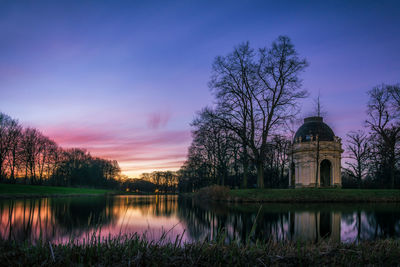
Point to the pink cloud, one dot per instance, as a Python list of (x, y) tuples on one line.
[(162, 166), (136, 150)]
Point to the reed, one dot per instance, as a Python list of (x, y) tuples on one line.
[(136, 250)]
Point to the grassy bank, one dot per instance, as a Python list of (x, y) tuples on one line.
[(135, 251), (19, 190), (314, 195)]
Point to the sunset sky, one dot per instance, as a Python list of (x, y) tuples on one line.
[(124, 79)]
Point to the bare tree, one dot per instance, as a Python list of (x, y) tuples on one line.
[(8, 131), (280, 151), (383, 119), (45, 147), (27, 152), (394, 91), (359, 153), (30, 152), (257, 92), (218, 143), (14, 160)]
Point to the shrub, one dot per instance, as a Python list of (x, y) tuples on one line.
[(213, 192)]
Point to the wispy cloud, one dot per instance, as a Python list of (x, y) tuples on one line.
[(158, 119)]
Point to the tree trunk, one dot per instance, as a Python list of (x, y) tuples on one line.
[(26, 173), (221, 173), (392, 174), (245, 178), (245, 169), (260, 174), (392, 166)]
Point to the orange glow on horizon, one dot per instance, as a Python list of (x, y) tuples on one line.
[(143, 151)]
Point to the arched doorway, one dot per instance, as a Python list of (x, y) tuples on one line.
[(325, 173), (292, 175)]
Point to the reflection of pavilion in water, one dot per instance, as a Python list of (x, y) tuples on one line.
[(276, 222), (313, 226)]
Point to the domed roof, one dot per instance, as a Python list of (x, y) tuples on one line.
[(314, 126)]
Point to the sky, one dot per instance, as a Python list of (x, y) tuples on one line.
[(124, 79)]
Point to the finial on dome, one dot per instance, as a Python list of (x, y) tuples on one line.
[(314, 118)]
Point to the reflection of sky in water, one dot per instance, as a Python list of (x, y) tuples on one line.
[(60, 219), (151, 220)]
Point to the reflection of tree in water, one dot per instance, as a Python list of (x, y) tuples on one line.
[(82, 212), (292, 222), (26, 219), (52, 218), (388, 224), (49, 218), (370, 222), (206, 221), (158, 205)]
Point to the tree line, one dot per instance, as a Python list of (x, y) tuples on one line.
[(374, 151), (27, 156), (243, 140), (157, 181)]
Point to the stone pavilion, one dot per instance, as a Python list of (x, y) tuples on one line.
[(315, 156)]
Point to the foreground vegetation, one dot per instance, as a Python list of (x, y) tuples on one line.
[(19, 190), (136, 251)]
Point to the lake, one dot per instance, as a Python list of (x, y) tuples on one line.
[(61, 219)]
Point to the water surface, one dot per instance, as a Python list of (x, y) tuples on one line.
[(60, 219)]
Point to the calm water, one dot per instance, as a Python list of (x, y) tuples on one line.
[(59, 219)]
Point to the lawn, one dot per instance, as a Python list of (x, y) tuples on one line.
[(19, 190), (315, 195)]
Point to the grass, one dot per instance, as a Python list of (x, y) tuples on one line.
[(19, 190), (137, 251), (314, 195)]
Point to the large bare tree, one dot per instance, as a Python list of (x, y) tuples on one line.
[(257, 92)]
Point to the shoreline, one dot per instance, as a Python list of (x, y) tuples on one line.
[(22, 196), (19, 196), (21, 191), (308, 195)]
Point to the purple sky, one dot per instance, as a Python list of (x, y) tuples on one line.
[(124, 79)]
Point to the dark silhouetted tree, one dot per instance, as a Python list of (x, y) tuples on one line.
[(257, 92), (383, 120), (359, 155)]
